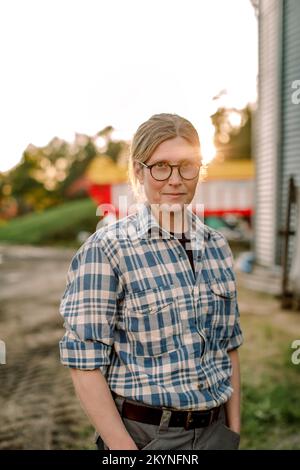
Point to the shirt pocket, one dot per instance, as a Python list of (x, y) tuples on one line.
[(219, 307), (152, 321)]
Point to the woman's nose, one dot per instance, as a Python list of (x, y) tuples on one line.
[(175, 176)]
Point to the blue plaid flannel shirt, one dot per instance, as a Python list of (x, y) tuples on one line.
[(134, 309)]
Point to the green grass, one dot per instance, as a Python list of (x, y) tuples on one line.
[(271, 414), (58, 225), (270, 386)]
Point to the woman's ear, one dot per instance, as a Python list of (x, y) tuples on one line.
[(138, 171)]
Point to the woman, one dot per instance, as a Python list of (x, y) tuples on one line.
[(151, 317)]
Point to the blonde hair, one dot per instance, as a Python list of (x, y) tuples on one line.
[(150, 134)]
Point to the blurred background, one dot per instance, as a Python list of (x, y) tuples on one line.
[(77, 80)]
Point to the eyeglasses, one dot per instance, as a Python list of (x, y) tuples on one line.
[(162, 171)]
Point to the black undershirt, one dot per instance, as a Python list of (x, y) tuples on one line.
[(184, 242)]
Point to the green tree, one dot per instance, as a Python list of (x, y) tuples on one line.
[(233, 132), (45, 174)]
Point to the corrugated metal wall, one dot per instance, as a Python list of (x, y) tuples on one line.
[(290, 150), (266, 132)]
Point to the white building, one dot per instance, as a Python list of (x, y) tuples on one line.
[(277, 125)]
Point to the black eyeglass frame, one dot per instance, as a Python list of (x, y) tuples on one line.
[(171, 168)]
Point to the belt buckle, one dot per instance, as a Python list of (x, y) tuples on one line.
[(207, 414), (188, 421)]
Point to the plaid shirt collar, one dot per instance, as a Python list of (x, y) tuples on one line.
[(148, 226)]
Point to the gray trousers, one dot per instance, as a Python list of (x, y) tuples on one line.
[(162, 437)]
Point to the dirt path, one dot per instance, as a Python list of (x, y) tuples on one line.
[(38, 408)]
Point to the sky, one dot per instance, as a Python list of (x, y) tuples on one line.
[(72, 66)]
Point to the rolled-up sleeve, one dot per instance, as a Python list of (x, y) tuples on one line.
[(236, 338), (89, 306)]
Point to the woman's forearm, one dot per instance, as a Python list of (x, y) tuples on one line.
[(233, 413), (97, 402)]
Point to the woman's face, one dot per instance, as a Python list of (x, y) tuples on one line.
[(174, 190)]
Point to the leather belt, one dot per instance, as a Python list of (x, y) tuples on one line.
[(179, 418)]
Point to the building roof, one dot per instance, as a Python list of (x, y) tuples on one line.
[(230, 170), (103, 170)]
